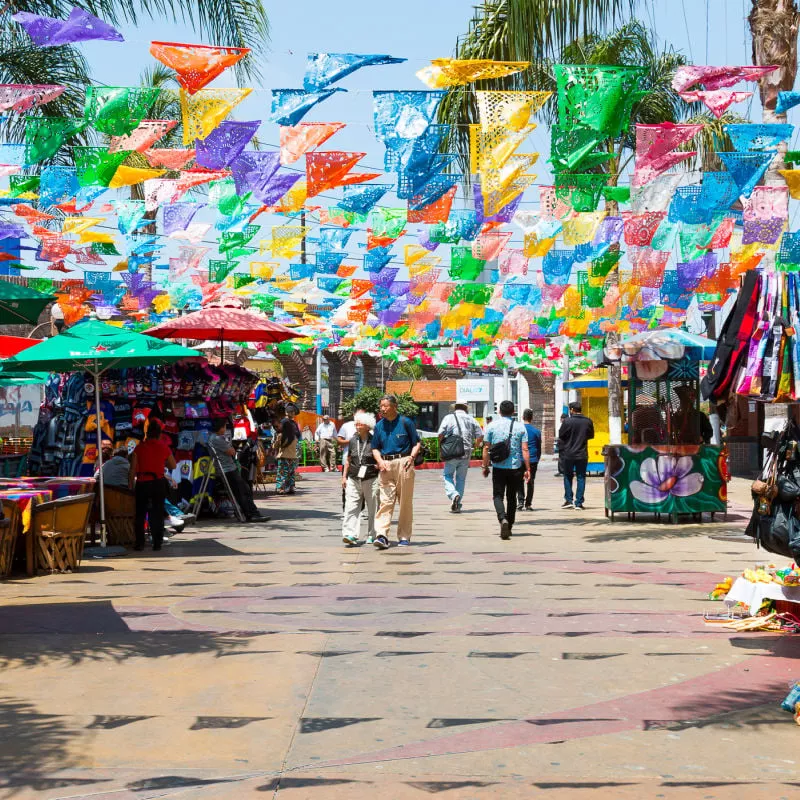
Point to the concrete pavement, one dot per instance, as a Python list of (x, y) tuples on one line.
[(268, 660)]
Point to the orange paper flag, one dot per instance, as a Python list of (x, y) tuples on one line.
[(328, 169), (297, 140), (196, 64)]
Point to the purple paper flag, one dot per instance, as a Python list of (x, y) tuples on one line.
[(80, 26), (246, 167), (224, 143), (8, 230), (271, 190), (178, 215), (385, 277)]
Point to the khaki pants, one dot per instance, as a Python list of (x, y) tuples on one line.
[(357, 490), (327, 454), (396, 485)]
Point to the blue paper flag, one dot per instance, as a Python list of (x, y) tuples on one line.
[(759, 137), (787, 100), (323, 69), (746, 169), (289, 106)]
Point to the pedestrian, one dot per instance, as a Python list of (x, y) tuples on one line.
[(525, 497), (573, 453), (325, 436), (488, 422), (359, 480), (286, 444), (395, 444), (150, 458), (224, 453), (459, 433), (346, 433), (506, 447), (116, 469)]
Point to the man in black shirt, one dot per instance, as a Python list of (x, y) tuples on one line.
[(573, 453)]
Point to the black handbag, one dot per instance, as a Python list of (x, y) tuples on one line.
[(780, 533), (500, 451), (453, 445)]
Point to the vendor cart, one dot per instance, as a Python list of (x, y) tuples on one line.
[(671, 466)]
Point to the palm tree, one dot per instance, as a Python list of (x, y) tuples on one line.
[(774, 26)]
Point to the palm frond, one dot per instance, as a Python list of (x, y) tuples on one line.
[(711, 140)]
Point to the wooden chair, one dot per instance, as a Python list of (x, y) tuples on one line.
[(120, 515), (9, 533), (59, 531)]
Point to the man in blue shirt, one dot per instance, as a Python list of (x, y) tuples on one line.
[(509, 472), (524, 499), (395, 443)]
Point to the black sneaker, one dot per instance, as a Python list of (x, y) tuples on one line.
[(505, 530), (455, 505), (579, 507), (529, 508), (565, 504)]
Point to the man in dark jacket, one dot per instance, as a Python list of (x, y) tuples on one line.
[(573, 453)]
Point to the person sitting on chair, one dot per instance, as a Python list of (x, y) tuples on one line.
[(223, 450)]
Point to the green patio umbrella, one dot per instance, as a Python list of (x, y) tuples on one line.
[(19, 304), (94, 347), (22, 378)]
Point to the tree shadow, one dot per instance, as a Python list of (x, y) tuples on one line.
[(34, 747), (625, 534), (74, 633)]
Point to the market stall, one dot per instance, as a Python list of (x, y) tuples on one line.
[(669, 467)]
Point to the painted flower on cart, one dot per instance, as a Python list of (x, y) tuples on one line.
[(665, 476)]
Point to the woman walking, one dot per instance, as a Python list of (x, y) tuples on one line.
[(150, 458), (359, 481), (286, 448)]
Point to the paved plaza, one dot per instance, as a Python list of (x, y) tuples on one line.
[(268, 660)]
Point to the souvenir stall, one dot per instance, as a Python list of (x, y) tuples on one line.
[(669, 466)]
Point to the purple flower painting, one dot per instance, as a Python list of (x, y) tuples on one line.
[(666, 476)]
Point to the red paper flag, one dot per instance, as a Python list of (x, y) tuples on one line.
[(196, 64)]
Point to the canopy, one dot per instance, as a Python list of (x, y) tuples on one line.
[(11, 345), (95, 347), (21, 304), (224, 325), (666, 344)]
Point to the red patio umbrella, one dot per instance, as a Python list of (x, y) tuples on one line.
[(11, 345), (224, 325)]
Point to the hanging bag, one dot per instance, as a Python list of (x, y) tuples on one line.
[(500, 451), (453, 444)]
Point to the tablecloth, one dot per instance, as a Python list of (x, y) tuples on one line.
[(26, 499), (66, 487), (754, 594)]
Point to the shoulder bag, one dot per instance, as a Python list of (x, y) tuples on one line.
[(500, 451), (453, 444)]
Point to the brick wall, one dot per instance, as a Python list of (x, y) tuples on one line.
[(425, 391)]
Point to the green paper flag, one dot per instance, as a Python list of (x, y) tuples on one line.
[(597, 97), (45, 135), (96, 166), (117, 110)]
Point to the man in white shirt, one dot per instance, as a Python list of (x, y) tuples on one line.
[(459, 423), (325, 436)]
